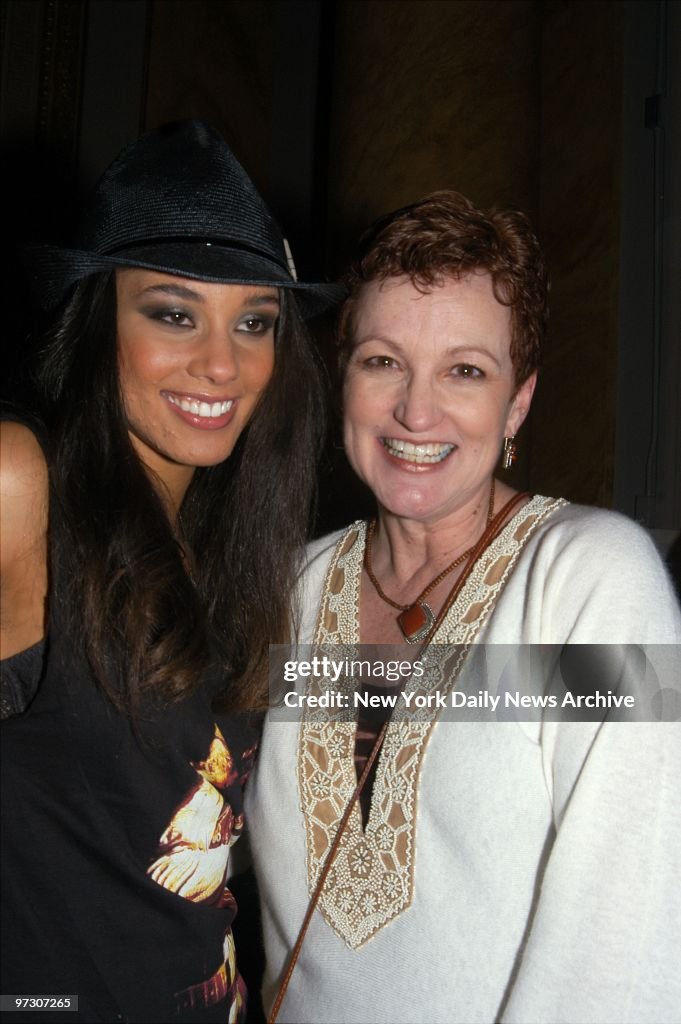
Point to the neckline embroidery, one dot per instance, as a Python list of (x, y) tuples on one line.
[(372, 880)]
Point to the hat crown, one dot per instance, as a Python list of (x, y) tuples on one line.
[(177, 202), (178, 183)]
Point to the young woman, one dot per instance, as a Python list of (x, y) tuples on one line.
[(149, 542)]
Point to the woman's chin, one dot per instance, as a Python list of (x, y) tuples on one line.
[(430, 502), (420, 507)]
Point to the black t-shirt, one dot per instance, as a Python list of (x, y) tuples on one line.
[(115, 851), (115, 847)]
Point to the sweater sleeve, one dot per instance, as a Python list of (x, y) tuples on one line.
[(602, 944), (603, 941)]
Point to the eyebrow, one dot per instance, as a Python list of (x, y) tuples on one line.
[(181, 291), (456, 349)]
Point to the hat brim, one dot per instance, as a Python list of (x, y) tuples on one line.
[(53, 270)]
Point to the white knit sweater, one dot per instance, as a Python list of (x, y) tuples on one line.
[(545, 858)]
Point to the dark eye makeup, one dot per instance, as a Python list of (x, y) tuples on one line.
[(259, 324), (172, 315)]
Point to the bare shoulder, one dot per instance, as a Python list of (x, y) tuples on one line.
[(20, 452), (23, 493), (23, 539)]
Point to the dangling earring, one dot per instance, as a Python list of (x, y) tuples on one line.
[(510, 453)]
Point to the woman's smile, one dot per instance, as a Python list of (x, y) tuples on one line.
[(430, 394), (205, 412), (194, 358), (420, 456)]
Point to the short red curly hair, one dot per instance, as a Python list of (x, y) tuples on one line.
[(444, 235)]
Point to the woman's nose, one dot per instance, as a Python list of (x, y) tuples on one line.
[(417, 408), (216, 358)]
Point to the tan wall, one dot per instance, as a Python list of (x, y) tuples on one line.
[(429, 95), (573, 435), (212, 59)]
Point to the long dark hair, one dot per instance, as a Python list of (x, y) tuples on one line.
[(146, 622)]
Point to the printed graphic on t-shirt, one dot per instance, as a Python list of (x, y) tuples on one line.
[(193, 852), (192, 861)]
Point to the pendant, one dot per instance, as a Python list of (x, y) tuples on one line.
[(416, 622)]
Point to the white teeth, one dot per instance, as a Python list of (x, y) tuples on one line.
[(203, 409), (419, 453)]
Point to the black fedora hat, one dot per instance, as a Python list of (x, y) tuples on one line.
[(178, 201)]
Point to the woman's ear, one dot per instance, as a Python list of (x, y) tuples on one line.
[(520, 405)]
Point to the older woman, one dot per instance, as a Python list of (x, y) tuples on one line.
[(502, 871)]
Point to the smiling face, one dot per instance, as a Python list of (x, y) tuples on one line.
[(429, 394), (193, 361)]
